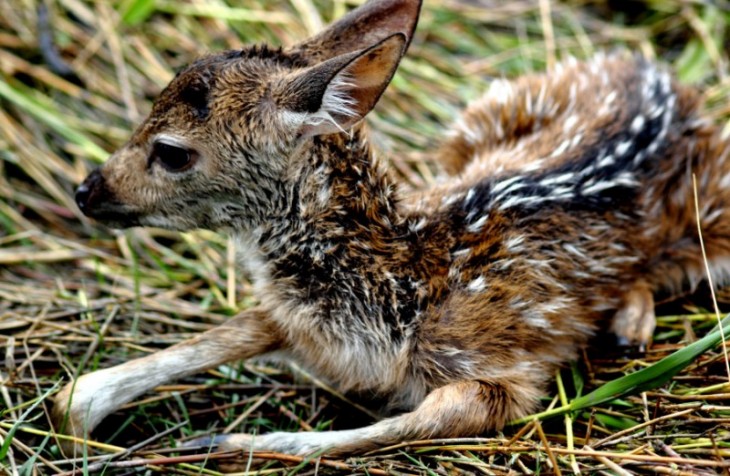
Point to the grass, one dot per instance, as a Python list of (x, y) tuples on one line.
[(75, 297)]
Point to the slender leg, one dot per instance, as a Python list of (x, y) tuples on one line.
[(81, 405), (466, 408), (634, 323)]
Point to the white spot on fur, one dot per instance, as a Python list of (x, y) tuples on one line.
[(503, 264), (637, 124), (725, 181), (557, 179), (470, 134), (554, 306), (575, 251), (461, 252), (656, 111), (450, 199), (610, 98), (623, 147), (536, 319), (499, 186), (323, 197), (417, 226), (623, 179), (514, 201), (576, 140), (470, 194), (513, 244), (569, 123), (477, 225), (561, 148), (534, 165), (607, 161), (477, 285), (500, 91)]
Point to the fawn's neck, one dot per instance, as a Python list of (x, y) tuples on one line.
[(342, 243), (341, 185), (337, 196)]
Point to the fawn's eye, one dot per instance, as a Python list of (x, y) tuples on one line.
[(172, 157)]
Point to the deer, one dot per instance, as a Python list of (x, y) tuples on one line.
[(565, 205)]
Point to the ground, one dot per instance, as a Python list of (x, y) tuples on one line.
[(75, 296)]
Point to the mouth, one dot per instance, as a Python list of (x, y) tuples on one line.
[(96, 201), (112, 214), (114, 217)]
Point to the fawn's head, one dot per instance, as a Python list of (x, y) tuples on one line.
[(219, 142)]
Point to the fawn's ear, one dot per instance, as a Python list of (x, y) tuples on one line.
[(333, 95), (366, 25)]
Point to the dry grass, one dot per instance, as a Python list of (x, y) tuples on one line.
[(75, 297)]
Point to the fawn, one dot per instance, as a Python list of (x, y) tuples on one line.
[(568, 202)]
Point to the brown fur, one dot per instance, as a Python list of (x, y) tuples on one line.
[(569, 203)]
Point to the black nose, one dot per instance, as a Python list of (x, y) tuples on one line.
[(87, 190), (82, 196)]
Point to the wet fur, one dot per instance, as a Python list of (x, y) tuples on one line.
[(568, 203)]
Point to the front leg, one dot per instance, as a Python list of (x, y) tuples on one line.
[(466, 408), (82, 404)]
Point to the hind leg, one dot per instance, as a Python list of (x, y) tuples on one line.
[(634, 323), (466, 408)]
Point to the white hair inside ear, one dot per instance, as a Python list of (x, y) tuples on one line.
[(336, 103), (343, 89)]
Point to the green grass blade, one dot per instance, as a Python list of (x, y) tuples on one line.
[(45, 113), (11, 433), (135, 12), (652, 376), (222, 12), (645, 379)]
